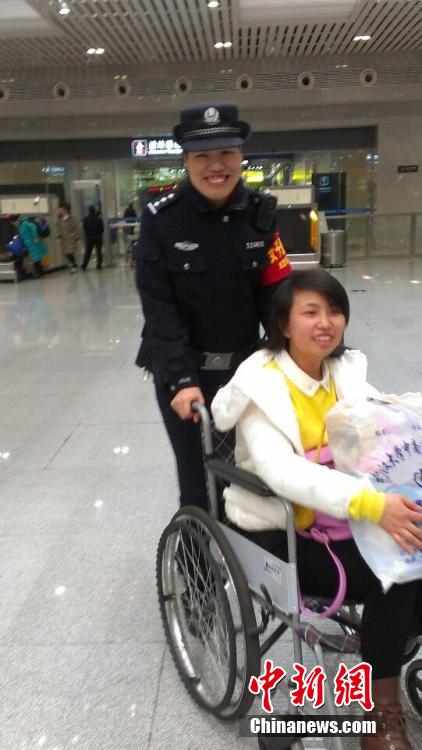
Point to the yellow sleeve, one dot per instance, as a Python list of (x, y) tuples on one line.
[(367, 504)]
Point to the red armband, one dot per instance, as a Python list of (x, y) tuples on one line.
[(279, 264)]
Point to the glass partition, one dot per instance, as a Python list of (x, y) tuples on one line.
[(391, 235)]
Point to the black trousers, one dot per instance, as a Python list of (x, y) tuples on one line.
[(38, 269), (90, 244), (387, 620), (71, 258), (185, 439)]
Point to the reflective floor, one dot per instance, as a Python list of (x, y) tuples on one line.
[(87, 485)]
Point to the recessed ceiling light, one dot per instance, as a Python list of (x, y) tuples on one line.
[(64, 10), (361, 38), (213, 4), (218, 45), (227, 44), (100, 50), (91, 51)]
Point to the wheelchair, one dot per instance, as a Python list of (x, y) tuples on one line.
[(219, 593)]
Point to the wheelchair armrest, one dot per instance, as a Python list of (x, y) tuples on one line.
[(243, 478)]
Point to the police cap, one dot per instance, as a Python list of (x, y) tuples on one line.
[(211, 126)]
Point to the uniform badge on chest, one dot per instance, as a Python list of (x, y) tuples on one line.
[(187, 247), (254, 245)]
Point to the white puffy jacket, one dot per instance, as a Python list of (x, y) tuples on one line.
[(257, 402)]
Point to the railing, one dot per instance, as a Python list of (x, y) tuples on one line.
[(369, 235), (380, 235)]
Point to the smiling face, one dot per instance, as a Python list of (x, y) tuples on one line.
[(315, 328), (215, 174)]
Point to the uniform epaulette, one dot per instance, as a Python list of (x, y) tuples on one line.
[(166, 200)]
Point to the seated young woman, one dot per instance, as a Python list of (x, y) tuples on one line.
[(277, 400)]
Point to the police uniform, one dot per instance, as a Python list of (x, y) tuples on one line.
[(206, 276)]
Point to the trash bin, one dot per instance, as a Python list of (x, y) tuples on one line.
[(333, 248)]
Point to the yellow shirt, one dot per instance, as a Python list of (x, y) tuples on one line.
[(311, 412)]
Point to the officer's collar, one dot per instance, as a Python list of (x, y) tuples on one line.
[(237, 201)]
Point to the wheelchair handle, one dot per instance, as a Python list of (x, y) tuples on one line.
[(206, 426), (236, 475)]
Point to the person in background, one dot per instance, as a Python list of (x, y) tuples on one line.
[(35, 245), (130, 213), (67, 234), (208, 260), (94, 231)]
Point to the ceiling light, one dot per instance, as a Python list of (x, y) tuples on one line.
[(64, 9), (227, 44), (213, 4), (218, 45), (361, 38), (100, 50), (91, 51)]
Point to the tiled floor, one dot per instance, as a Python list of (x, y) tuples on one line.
[(83, 660)]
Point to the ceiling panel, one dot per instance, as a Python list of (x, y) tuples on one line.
[(252, 11), (141, 32)]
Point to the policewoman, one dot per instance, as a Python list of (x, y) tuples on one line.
[(207, 263)]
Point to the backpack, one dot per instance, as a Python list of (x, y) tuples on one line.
[(43, 228), (16, 246)]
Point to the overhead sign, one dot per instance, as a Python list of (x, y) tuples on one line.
[(155, 147), (402, 168), (54, 171)]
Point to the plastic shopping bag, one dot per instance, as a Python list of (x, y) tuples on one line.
[(381, 438)]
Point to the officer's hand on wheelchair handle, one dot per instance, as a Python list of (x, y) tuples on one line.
[(182, 403), (400, 518)]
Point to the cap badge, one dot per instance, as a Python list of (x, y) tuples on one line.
[(211, 116)]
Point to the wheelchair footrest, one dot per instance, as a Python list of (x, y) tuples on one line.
[(342, 644)]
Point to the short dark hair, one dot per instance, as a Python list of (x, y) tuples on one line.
[(92, 209), (316, 280)]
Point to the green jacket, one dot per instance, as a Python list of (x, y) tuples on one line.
[(28, 233)]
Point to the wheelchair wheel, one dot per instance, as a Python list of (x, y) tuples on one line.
[(196, 616), (412, 649), (195, 541), (413, 682)]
